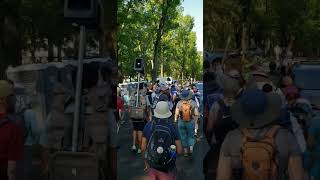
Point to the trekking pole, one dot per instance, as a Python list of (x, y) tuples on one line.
[(78, 89)]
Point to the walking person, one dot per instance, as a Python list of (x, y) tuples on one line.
[(11, 135), (259, 149), (139, 114), (187, 115), (161, 144)]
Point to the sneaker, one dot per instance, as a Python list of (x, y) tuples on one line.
[(185, 154), (139, 151), (134, 148)]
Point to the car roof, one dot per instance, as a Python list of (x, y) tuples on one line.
[(307, 66)]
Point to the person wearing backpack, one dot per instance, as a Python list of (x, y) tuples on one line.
[(259, 149), (31, 132), (11, 135), (219, 124), (187, 114), (161, 144), (139, 116)]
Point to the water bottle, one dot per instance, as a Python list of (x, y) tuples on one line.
[(173, 151)]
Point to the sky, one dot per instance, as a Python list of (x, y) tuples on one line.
[(194, 8)]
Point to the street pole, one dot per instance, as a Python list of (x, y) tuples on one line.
[(78, 89), (137, 102)]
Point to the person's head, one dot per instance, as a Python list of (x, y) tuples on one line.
[(287, 81), (231, 86), (292, 94), (7, 97), (272, 66), (256, 109), (185, 95), (236, 75), (106, 72), (162, 110), (90, 76)]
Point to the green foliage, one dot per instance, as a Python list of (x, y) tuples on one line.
[(276, 21), (138, 25)]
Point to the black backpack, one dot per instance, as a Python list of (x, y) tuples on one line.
[(161, 137), (224, 123)]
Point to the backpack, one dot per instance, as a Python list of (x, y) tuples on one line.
[(138, 113), (160, 139), (258, 155), (19, 120), (224, 123), (185, 112), (60, 125)]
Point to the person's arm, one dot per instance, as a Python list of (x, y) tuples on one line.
[(143, 144), (213, 113), (224, 171), (295, 168), (12, 170), (30, 118), (196, 117), (176, 114)]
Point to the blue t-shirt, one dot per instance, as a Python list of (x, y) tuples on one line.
[(147, 131)]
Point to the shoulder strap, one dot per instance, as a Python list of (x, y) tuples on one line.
[(221, 104), (272, 132), (246, 134)]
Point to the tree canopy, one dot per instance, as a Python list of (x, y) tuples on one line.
[(292, 24), (158, 32)]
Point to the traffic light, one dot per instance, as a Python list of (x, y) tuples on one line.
[(138, 65), (81, 11)]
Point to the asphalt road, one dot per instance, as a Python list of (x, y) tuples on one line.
[(131, 165)]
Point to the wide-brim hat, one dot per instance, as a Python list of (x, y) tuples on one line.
[(162, 110), (256, 109), (186, 95), (260, 73)]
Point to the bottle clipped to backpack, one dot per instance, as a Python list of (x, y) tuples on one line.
[(173, 152)]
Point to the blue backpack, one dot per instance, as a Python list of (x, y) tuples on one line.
[(158, 153)]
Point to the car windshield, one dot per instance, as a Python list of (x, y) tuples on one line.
[(307, 79)]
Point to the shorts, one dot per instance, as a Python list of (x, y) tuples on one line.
[(138, 125), (155, 174)]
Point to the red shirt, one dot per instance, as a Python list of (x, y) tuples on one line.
[(11, 145), (119, 103)]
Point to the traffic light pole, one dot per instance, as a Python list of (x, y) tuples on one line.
[(76, 119), (137, 102)]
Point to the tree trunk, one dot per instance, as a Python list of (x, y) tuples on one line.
[(108, 40), (160, 30), (244, 43), (75, 46), (50, 50), (59, 53)]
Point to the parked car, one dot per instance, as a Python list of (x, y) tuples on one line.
[(306, 76)]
